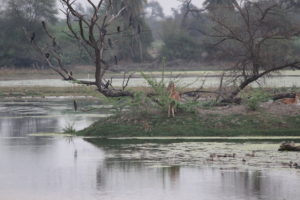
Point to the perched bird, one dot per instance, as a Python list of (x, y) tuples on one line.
[(47, 55), (296, 166), (110, 43), (211, 157), (107, 84), (75, 105), (103, 31), (119, 29), (54, 43), (44, 24), (231, 155), (32, 37), (130, 20), (244, 160), (289, 164), (116, 60)]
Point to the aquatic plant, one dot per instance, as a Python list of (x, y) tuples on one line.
[(69, 129)]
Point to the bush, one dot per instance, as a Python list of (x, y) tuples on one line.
[(69, 129), (254, 98)]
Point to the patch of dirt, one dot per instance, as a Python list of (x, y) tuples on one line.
[(224, 110), (281, 109)]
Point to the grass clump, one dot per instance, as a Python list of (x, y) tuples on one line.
[(254, 97), (69, 129)]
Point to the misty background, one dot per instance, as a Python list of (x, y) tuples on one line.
[(168, 31)]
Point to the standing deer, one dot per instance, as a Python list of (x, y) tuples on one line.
[(295, 100), (174, 96)]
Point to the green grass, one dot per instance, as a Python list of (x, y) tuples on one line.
[(69, 129), (192, 125)]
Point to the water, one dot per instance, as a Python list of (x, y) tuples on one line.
[(64, 168), (193, 82)]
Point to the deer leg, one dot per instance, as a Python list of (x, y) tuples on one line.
[(173, 111)]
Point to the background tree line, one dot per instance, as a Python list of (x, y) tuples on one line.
[(16, 50), (186, 35)]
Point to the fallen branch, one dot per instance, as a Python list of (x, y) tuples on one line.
[(282, 96), (288, 146)]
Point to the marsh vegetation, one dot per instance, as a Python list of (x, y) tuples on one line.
[(227, 73)]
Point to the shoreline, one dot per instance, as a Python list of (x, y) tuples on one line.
[(252, 124)]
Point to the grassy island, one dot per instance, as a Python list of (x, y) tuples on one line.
[(227, 121)]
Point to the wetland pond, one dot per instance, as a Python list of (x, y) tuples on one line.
[(36, 166)]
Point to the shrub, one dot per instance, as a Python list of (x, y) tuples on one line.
[(254, 97), (69, 129)]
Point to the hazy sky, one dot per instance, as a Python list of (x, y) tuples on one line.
[(169, 4), (166, 4)]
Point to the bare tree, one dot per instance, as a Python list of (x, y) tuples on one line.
[(257, 36), (95, 32)]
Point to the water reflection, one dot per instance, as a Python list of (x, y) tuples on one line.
[(136, 181), (22, 118)]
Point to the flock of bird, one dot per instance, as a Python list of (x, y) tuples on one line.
[(214, 157)]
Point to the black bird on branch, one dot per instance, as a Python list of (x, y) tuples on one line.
[(32, 37), (116, 60), (44, 24), (119, 29), (54, 43), (47, 55), (130, 21), (110, 43), (107, 84)]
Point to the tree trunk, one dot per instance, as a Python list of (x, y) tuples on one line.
[(98, 69)]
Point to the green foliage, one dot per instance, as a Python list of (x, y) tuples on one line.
[(69, 129), (71, 50), (180, 45), (135, 39), (195, 125), (254, 98), (19, 14), (159, 87)]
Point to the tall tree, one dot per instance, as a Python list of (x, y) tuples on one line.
[(19, 14), (258, 36), (98, 33)]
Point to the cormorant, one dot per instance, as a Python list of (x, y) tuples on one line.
[(32, 37), (110, 43), (116, 60)]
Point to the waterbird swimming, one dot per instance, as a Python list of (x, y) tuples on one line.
[(251, 154)]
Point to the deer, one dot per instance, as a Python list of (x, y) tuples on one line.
[(295, 100), (174, 96)]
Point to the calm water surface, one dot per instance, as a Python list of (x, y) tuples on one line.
[(194, 82), (62, 168)]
